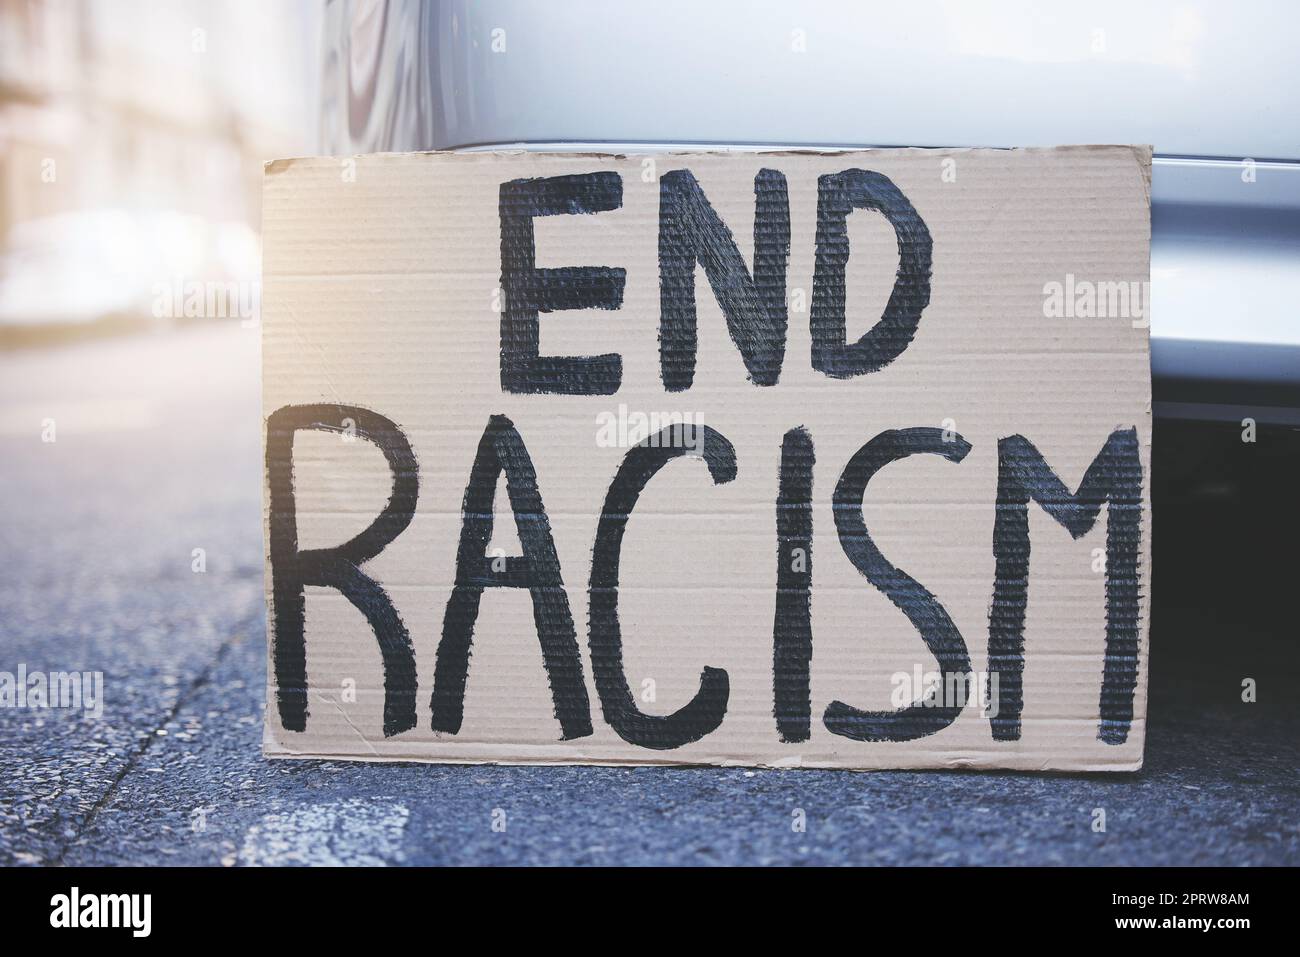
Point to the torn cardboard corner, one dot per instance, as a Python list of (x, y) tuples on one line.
[(791, 459)]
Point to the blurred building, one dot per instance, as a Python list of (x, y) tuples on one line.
[(132, 138)]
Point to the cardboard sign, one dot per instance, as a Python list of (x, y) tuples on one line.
[(784, 459)]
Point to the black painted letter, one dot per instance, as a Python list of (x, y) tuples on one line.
[(792, 628), (705, 711), (337, 567), (1115, 479), (922, 609), (755, 308), (538, 570), (528, 290), (838, 194)]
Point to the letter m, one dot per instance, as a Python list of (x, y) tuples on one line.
[(1113, 479)]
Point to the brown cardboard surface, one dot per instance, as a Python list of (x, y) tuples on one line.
[(383, 291)]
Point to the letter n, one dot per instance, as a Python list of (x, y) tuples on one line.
[(691, 232)]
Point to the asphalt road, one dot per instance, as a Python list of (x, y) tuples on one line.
[(156, 454)]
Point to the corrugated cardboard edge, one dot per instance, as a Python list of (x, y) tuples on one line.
[(1142, 154), (953, 762)]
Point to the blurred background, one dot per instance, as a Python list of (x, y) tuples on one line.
[(132, 138)]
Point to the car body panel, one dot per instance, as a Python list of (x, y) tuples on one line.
[(1214, 88)]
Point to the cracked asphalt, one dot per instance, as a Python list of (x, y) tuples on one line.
[(156, 455)]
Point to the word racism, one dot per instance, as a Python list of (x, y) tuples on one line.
[(753, 302)]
